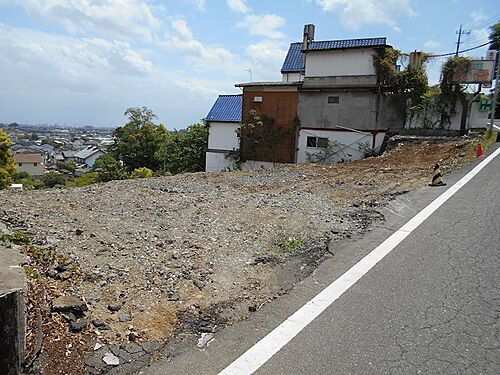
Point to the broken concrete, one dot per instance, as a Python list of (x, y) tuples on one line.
[(12, 310)]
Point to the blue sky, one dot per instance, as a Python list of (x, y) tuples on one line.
[(86, 61)]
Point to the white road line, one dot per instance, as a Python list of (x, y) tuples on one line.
[(262, 351)]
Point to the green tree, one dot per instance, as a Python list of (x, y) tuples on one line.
[(184, 151), (87, 179), (141, 173), (7, 166), (138, 143), (495, 36), (53, 179), (108, 168)]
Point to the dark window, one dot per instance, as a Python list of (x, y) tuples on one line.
[(317, 142), (312, 141), (20, 164), (322, 142), (35, 164), (333, 100)]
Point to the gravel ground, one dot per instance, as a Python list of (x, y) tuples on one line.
[(156, 258)]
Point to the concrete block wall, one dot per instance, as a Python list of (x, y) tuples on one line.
[(12, 310)]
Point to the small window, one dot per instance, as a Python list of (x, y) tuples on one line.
[(20, 164), (333, 100), (322, 142), (35, 164), (317, 142), (312, 142)]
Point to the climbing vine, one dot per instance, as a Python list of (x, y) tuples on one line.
[(410, 83), (438, 104), (435, 106), (261, 133)]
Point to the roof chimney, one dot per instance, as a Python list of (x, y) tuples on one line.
[(308, 36)]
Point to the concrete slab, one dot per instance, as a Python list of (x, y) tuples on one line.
[(12, 309)]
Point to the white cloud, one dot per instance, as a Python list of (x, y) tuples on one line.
[(92, 81), (117, 18), (478, 15), (356, 13), (71, 63), (200, 56), (200, 4), (264, 25), (266, 57), (238, 6), (431, 44)]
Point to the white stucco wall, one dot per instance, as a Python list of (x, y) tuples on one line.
[(476, 118), (356, 61), (33, 169), (223, 136), (218, 162), (292, 77), (349, 141)]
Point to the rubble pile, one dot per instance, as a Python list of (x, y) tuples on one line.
[(192, 253)]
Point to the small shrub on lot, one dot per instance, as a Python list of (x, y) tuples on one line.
[(86, 179), (53, 179), (17, 238), (141, 173), (287, 245)]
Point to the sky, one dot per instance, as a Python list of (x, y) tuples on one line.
[(84, 62)]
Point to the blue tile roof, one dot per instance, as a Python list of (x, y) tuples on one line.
[(227, 108), (294, 61)]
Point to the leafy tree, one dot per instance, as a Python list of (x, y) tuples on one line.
[(87, 179), (139, 142), (18, 176), (141, 173), (108, 168), (53, 179), (495, 36), (69, 166), (184, 151), (7, 166)]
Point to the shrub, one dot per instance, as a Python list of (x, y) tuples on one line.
[(141, 173), (108, 168), (53, 179), (87, 179), (18, 176)]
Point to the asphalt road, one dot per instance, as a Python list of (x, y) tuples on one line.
[(431, 306)]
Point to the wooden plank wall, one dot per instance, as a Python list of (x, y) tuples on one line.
[(282, 107)]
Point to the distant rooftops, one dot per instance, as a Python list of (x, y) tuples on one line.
[(294, 60), (27, 158), (227, 108), (85, 153)]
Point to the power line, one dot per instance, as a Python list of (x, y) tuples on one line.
[(462, 51), (492, 20)]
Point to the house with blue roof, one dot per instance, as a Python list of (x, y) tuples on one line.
[(223, 121), (329, 100)]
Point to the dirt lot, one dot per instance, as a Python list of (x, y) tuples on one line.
[(179, 256)]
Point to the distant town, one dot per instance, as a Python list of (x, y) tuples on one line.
[(40, 148)]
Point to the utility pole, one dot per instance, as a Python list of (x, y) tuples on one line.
[(249, 70), (495, 95), (460, 33)]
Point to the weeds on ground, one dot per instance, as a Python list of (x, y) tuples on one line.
[(287, 245), (17, 238)]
